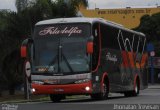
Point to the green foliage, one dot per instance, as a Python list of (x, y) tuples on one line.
[(13, 70), (77, 2), (150, 26), (21, 4), (17, 26)]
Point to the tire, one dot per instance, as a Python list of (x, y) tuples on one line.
[(56, 98), (103, 95), (128, 94), (135, 92)]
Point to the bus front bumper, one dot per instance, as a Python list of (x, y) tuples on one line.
[(83, 88)]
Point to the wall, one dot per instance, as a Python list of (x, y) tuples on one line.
[(129, 17)]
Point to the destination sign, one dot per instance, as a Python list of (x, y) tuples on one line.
[(60, 30), (55, 30)]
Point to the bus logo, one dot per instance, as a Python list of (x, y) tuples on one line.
[(112, 58), (56, 31)]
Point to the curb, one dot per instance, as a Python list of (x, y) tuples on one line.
[(23, 101), (154, 86)]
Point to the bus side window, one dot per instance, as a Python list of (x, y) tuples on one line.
[(109, 37), (140, 48), (141, 45), (95, 54)]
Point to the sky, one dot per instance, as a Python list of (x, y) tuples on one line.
[(7, 4), (122, 3), (103, 4)]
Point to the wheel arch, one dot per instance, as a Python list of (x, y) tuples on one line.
[(105, 79)]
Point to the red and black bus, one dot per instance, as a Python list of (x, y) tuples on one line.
[(91, 56)]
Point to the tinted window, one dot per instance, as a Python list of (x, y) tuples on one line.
[(62, 48), (109, 37)]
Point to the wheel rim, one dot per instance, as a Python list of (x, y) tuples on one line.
[(104, 91), (136, 89)]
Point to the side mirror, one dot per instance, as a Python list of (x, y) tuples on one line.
[(90, 47), (24, 47), (23, 51)]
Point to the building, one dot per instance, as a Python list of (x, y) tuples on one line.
[(129, 17)]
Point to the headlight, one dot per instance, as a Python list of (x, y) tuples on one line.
[(87, 88), (33, 90), (82, 81)]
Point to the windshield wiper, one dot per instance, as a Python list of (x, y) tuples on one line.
[(65, 59), (53, 61)]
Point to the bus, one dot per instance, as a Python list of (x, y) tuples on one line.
[(85, 56)]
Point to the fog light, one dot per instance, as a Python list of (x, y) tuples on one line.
[(87, 88)]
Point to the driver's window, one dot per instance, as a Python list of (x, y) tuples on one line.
[(96, 47)]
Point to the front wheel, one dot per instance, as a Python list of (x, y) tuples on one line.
[(104, 93), (136, 89), (135, 92), (56, 98)]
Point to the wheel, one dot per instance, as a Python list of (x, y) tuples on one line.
[(135, 92), (103, 94), (56, 98), (128, 94)]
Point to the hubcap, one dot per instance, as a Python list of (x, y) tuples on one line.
[(136, 89), (104, 91)]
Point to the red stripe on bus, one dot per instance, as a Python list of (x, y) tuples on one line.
[(63, 89)]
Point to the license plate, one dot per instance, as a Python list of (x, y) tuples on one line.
[(58, 90)]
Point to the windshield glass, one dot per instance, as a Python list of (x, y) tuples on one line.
[(61, 48), (74, 50)]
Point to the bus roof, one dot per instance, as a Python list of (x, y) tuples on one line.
[(86, 20)]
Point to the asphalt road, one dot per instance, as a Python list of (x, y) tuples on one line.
[(147, 100)]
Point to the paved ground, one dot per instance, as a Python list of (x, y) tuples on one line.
[(148, 98)]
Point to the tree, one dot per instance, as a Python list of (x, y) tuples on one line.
[(17, 26), (150, 26), (8, 43), (21, 4), (12, 68), (78, 2)]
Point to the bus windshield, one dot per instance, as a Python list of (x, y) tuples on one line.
[(61, 48)]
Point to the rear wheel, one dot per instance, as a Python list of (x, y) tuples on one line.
[(56, 98), (103, 94), (135, 92)]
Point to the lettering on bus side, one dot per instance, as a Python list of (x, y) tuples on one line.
[(111, 57)]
